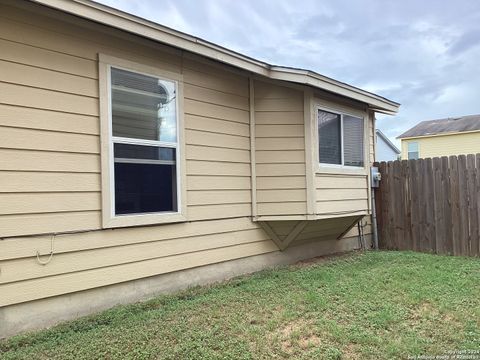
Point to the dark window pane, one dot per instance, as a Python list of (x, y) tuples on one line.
[(329, 138), (352, 141), (127, 151), (143, 107), (145, 179)]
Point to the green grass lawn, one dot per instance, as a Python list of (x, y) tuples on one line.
[(377, 305)]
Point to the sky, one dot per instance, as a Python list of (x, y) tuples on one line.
[(424, 54)]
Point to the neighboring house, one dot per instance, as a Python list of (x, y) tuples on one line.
[(384, 149), (136, 159), (442, 137)]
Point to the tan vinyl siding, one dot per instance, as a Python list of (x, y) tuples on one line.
[(279, 150), (50, 162), (341, 194), (444, 145), (101, 258), (49, 119)]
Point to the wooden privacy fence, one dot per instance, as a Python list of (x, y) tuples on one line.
[(430, 205)]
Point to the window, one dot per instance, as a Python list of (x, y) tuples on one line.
[(340, 139), (412, 150), (140, 130)]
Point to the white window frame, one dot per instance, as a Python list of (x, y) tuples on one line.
[(341, 168), (109, 218)]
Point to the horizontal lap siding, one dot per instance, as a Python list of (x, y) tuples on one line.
[(341, 194), (49, 130), (279, 150), (217, 143), (50, 163), (109, 257), (49, 117), (444, 145)]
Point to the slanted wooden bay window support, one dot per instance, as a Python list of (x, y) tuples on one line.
[(292, 235)]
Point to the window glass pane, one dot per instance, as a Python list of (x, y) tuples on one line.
[(413, 146), (127, 151), (352, 141), (143, 107), (413, 155), (329, 138), (145, 179)]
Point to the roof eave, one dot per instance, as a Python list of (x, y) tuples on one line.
[(148, 29), (311, 78)]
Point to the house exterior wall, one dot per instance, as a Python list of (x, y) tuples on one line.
[(384, 152), (444, 145), (279, 150), (50, 163)]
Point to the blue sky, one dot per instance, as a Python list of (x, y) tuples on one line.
[(423, 54)]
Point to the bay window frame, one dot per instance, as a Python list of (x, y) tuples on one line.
[(107, 140)]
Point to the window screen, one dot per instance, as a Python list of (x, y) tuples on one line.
[(329, 138), (352, 141), (144, 126)]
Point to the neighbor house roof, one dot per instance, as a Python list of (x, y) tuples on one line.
[(387, 141), (148, 29), (444, 126)]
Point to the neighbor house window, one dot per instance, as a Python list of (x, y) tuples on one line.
[(144, 182), (340, 139), (412, 150)]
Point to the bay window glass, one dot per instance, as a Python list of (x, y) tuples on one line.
[(330, 135), (352, 141), (340, 139)]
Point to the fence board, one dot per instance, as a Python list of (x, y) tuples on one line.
[(472, 206), (430, 205), (415, 203), (399, 212), (454, 193), (463, 204), (476, 246), (408, 205), (438, 206), (447, 207)]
